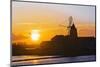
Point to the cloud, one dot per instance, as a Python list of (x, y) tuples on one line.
[(18, 37)]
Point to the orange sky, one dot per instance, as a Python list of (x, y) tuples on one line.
[(47, 18)]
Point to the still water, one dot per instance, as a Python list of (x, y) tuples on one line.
[(27, 60)]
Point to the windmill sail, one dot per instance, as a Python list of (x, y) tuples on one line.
[(70, 24)]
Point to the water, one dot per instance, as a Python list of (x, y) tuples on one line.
[(29, 60)]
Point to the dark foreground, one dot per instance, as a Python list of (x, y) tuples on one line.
[(59, 45), (59, 50)]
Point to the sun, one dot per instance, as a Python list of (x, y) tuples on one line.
[(35, 35)]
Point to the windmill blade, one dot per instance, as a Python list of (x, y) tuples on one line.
[(70, 21), (62, 25)]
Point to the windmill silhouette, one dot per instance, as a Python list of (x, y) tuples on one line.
[(72, 31)]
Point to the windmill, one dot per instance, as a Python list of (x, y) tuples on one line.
[(70, 19)]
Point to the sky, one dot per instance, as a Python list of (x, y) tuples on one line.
[(47, 18)]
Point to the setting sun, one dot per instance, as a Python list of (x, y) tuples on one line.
[(35, 35)]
